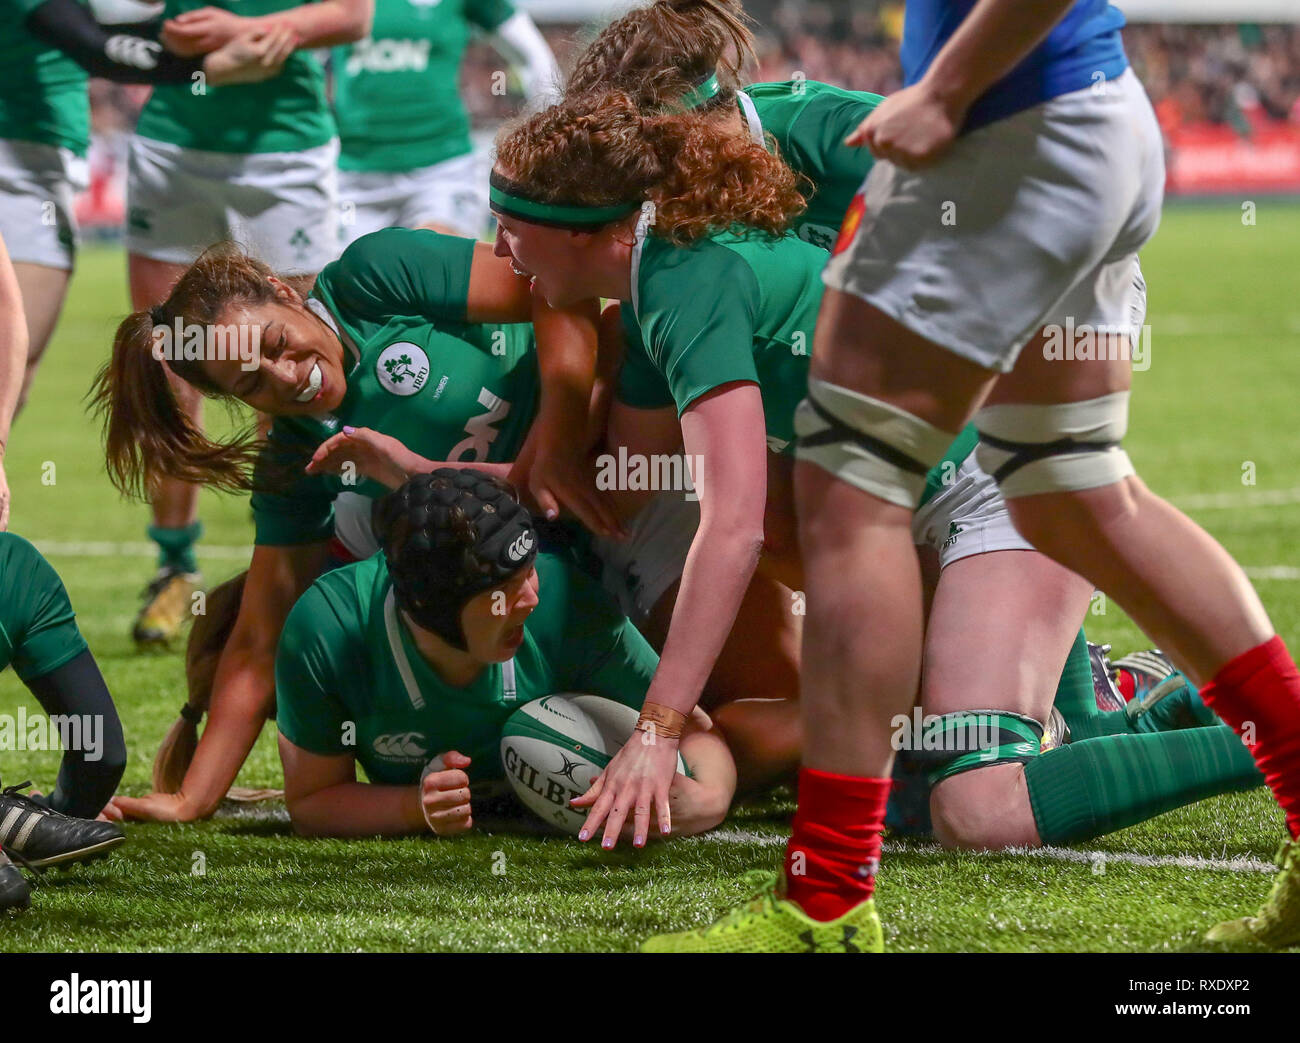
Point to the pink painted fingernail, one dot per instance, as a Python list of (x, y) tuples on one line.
[(583, 835), (349, 430)]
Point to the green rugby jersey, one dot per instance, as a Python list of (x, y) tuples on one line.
[(416, 370), (38, 629), (727, 307), (809, 122), (349, 679), (287, 113), (397, 93), (43, 93)]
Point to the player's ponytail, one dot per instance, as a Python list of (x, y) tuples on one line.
[(147, 435), (652, 51), (207, 640), (602, 150)]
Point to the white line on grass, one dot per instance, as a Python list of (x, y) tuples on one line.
[(136, 549), (274, 812), (1236, 499), (1241, 864)]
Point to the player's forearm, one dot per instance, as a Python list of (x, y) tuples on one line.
[(520, 41), (992, 40), (566, 362), (702, 802), (358, 809), (718, 570), (121, 53), (242, 694), (325, 24), (13, 346)]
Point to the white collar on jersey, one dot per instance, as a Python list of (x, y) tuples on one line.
[(509, 686), (750, 111), (643, 226), (323, 313)]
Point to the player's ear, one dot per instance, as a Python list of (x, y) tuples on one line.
[(284, 293)]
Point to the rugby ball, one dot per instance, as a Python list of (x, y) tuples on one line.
[(552, 748)]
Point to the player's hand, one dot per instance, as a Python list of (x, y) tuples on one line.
[(251, 58), (4, 497), (558, 481), (359, 452), (912, 128), (201, 31), (636, 780), (157, 807), (444, 796)]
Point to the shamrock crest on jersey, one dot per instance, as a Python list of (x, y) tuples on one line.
[(402, 368)]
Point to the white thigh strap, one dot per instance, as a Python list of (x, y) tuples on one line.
[(1063, 447)]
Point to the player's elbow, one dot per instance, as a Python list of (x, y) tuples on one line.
[(360, 17)]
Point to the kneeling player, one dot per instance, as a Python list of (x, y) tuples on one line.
[(410, 662)]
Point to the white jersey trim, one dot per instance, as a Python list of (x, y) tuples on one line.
[(323, 313), (643, 224), (750, 111), (399, 653)]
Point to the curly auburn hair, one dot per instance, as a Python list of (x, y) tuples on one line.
[(658, 52), (602, 150)]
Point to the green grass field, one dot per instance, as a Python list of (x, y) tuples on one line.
[(1215, 410)]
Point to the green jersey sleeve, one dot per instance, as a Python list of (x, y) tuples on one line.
[(289, 506), (310, 671), (695, 322), (400, 271), (488, 14), (38, 629)]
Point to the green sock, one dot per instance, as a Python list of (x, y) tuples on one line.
[(1111, 722), (1075, 697), (1086, 789), (176, 546)]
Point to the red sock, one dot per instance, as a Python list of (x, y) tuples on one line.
[(1259, 693), (834, 851)]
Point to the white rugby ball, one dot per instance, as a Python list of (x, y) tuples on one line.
[(554, 747)]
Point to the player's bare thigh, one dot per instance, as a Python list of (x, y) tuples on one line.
[(43, 289), (999, 631), (860, 347)]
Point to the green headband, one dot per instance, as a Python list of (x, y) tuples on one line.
[(699, 96), (504, 197)]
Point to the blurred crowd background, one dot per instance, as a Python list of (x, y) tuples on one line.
[(1228, 96)]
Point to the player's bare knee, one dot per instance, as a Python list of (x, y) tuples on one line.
[(986, 809)]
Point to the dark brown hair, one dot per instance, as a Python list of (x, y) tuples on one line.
[(658, 52), (147, 434), (207, 640), (601, 150)]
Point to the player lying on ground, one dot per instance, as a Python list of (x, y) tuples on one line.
[(922, 320), (443, 636), (418, 334), (686, 349), (1161, 751), (250, 162)]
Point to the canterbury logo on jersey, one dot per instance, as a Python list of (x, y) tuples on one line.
[(403, 745), (133, 51), (520, 548), (388, 56)]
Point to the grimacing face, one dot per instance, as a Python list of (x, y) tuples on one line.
[(553, 257), (299, 360), (493, 621)]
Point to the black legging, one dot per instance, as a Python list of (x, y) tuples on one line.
[(77, 689)]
